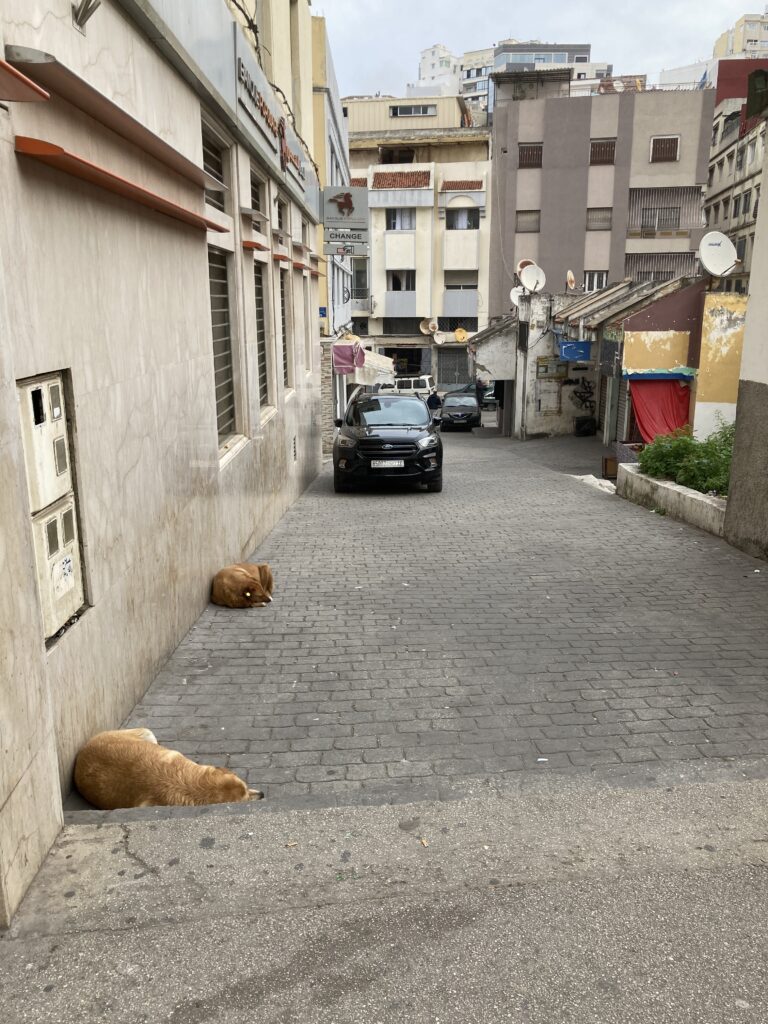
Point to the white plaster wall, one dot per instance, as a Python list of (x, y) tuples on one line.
[(118, 296), (710, 416)]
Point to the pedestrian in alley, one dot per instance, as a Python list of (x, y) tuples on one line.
[(433, 403), (480, 389)]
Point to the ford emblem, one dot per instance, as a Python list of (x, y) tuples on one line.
[(387, 446)]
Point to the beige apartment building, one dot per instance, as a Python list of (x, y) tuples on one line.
[(604, 186), (159, 371), (734, 182), (748, 38), (424, 291)]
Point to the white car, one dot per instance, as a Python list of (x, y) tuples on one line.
[(422, 385)]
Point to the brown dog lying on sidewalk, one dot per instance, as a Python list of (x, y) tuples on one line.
[(127, 768), (244, 585)]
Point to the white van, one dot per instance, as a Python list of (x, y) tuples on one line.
[(423, 385)]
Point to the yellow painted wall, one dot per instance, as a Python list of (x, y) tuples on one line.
[(722, 340), (655, 350)]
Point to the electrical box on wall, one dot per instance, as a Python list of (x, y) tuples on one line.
[(57, 556), (46, 447)]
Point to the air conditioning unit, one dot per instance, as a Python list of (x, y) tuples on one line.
[(44, 434), (57, 556)]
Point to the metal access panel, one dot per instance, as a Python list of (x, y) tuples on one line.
[(59, 569), (44, 436), (452, 367)]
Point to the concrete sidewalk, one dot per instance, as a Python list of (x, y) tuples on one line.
[(518, 621), (554, 900)]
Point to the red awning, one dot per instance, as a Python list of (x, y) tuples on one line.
[(248, 245), (660, 406)]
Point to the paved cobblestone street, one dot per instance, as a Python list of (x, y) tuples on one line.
[(519, 621)]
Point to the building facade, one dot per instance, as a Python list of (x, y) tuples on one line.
[(748, 37), (159, 391), (746, 517), (605, 186), (428, 176)]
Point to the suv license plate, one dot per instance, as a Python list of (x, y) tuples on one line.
[(387, 463)]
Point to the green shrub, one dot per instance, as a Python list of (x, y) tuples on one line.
[(702, 465)]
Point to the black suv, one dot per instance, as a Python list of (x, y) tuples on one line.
[(387, 436)]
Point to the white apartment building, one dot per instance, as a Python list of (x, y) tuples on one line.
[(428, 176), (159, 369)]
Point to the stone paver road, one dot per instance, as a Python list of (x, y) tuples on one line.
[(519, 621)]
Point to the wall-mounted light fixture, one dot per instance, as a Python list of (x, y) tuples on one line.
[(82, 12)]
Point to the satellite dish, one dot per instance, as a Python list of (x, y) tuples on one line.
[(523, 263), (424, 326), (717, 254), (570, 280), (618, 85), (439, 337), (532, 278), (460, 335), (433, 326), (515, 295)]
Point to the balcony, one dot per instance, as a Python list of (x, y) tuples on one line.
[(460, 302), (400, 304), (461, 250)]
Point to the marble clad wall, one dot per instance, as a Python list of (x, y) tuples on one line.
[(118, 297)]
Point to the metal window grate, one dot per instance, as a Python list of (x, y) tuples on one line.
[(261, 333), (664, 149), (284, 328), (642, 266), (222, 344), (213, 164), (528, 220), (529, 154), (602, 151), (599, 218)]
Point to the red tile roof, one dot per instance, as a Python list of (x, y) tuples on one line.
[(401, 179), (358, 182), (461, 186)]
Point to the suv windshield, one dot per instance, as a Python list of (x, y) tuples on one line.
[(459, 400), (389, 411)]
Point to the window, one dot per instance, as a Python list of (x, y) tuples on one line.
[(68, 526), (665, 149), (453, 323), (287, 367), (594, 280), (757, 203), (60, 456), (401, 219), (710, 177), (307, 324), (529, 154), (38, 406), (213, 164), (461, 280), (599, 218), (257, 193), (746, 202), (397, 155), (282, 215), (741, 248), (52, 536), (739, 158), (726, 203), (715, 130), (528, 220), (402, 325), (401, 280), (465, 218), (223, 372), (664, 218), (261, 333), (413, 110), (736, 206), (751, 147), (602, 151), (359, 278), (360, 326), (720, 168), (715, 213)]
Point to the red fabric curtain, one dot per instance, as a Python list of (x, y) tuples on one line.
[(660, 406)]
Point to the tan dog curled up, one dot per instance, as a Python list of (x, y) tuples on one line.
[(127, 768), (244, 585)]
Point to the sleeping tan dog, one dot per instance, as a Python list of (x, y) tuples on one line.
[(127, 768), (244, 585)]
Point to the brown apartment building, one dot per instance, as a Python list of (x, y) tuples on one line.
[(607, 186)]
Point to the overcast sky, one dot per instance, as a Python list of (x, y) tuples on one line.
[(376, 43)]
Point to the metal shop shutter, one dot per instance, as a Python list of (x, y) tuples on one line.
[(603, 399), (452, 367)]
